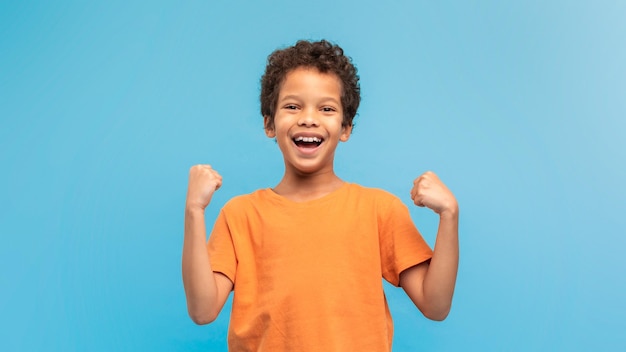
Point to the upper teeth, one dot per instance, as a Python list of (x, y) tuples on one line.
[(308, 139)]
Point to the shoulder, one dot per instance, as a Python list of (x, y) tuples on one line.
[(246, 201), (382, 201), (373, 193)]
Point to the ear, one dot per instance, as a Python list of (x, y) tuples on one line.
[(269, 131), (345, 133)]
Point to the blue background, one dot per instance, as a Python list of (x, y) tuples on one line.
[(518, 106)]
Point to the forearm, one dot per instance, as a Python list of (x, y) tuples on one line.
[(440, 278), (198, 278)]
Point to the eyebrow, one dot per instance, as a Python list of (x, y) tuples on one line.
[(296, 97)]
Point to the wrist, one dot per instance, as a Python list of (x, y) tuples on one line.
[(194, 209), (451, 213)]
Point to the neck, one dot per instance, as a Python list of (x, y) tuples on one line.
[(304, 187)]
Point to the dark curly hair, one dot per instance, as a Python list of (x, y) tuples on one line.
[(322, 55)]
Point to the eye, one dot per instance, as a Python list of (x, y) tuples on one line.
[(290, 107), (328, 109)]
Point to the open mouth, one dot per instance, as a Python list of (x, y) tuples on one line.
[(308, 142)]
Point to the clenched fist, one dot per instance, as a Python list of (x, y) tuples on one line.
[(203, 182), (428, 191)]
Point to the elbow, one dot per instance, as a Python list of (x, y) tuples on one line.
[(436, 309), (440, 315), (437, 313), (202, 318)]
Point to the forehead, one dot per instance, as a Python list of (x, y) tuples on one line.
[(309, 80)]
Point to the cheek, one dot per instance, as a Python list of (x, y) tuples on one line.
[(280, 122), (280, 130)]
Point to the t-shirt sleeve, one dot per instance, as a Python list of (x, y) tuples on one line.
[(401, 244), (221, 249)]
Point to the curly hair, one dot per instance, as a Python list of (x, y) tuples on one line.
[(323, 56)]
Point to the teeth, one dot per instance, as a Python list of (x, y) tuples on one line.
[(308, 139)]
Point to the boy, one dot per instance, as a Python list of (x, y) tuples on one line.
[(305, 258)]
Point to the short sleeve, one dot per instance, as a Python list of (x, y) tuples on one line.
[(401, 244), (221, 249)]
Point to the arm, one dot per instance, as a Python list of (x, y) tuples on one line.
[(205, 290), (431, 285)]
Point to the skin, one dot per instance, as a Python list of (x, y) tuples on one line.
[(430, 285), (309, 105), (206, 291)]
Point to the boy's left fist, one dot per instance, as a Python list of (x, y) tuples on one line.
[(428, 191)]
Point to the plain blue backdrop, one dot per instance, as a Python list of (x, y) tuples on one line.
[(519, 107)]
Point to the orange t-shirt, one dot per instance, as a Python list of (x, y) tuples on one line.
[(307, 276)]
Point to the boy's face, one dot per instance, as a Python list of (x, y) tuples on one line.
[(308, 120)]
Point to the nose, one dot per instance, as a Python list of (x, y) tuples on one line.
[(308, 119)]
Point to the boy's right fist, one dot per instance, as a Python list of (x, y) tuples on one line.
[(203, 182)]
